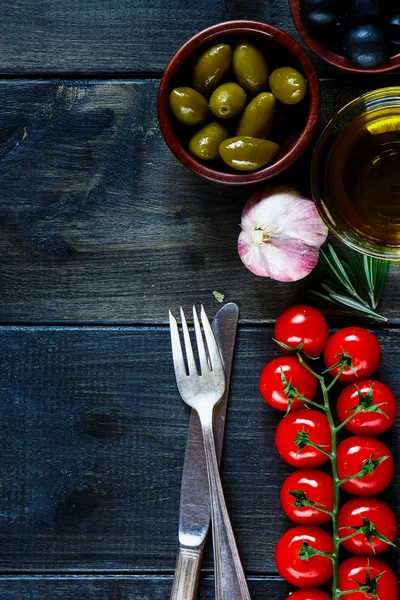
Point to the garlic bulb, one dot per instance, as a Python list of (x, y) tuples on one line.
[(281, 234)]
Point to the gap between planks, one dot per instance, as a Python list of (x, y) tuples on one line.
[(336, 323)]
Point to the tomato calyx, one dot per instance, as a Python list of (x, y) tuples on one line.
[(367, 403), (368, 528), (295, 349), (307, 551), (301, 500), (302, 440), (370, 465), (370, 587), (292, 393), (344, 362)]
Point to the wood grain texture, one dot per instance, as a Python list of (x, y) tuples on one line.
[(100, 223), (99, 36), (121, 588), (92, 447)]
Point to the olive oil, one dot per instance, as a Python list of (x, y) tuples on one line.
[(362, 176)]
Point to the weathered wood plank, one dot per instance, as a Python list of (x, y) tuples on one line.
[(103, 36), (92, 444), (100, 222), (120, 588)]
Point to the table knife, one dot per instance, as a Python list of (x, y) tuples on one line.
[(195, 512)]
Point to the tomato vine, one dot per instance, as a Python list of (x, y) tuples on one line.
[(292, 438), (345, 362)]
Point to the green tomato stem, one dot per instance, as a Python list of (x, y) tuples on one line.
[(336, 485), (309, 369), (344, 423), (362, 589), (348, 537), (344, 364), (306, 401), (336, 378), (333, 458), (318, 447), (327, 512)]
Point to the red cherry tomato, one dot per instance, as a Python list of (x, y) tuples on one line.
[(272, 387), (352, 454), (302, 324), (304, 423), (296, 570), (318, 488), (309, 594), (361, 345), (367, 423), (355, 569), (377, 512)]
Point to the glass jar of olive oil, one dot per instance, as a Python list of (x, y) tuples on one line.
[(355, 174)]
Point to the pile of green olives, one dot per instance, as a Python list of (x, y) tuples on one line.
[(233, 98)]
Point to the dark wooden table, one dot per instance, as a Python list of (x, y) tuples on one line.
[(102, 231)]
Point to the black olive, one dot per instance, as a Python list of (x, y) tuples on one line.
[(321, 14), (366, 46), (318, 19), (394, 30), (368, 11)]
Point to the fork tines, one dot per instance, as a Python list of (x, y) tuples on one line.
[(209, 356)]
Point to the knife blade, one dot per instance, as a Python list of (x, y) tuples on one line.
[(195, 511)]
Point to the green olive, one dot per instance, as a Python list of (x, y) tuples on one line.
[(246, 153), (211, 67), (287, 85), (250, 68), (256, 120), (227, 101), (188, 106), (205, 143)]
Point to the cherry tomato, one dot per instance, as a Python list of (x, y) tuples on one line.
[(302, 324), (367, 423), (377, 512), (309, 594), (356, 569), (272, 387), (356, 451), (299, 571), (361, 345), (318, 488), (303, 423)]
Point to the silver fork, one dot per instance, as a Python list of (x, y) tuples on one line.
[(202, 391)]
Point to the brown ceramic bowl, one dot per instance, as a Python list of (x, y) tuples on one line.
[(295, 125), (328, 55)]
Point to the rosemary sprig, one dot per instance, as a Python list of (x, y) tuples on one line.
[(354, 287)]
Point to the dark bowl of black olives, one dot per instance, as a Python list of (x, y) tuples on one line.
[(361, 36), (239, 102)]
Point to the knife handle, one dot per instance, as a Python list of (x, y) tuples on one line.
[(230, 579), (186, 576)]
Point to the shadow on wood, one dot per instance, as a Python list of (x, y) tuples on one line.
[(92, 445), (100, 223)]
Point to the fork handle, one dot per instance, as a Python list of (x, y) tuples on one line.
[(230, 580), (186, 576)]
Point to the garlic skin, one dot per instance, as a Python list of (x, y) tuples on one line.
[(281, 234)]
